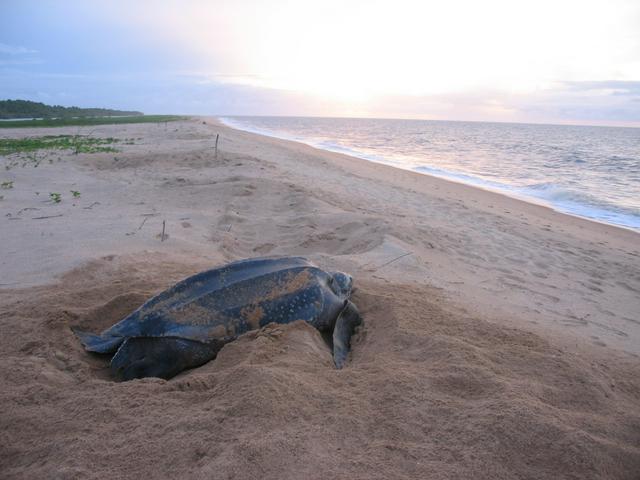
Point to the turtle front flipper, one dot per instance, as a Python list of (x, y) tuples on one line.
[(162, 357), (98, 343), (348, 319)]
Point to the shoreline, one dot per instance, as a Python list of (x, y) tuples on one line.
[(424, 170), (572, 230), (528, 201), (500, 338), (479, 243)]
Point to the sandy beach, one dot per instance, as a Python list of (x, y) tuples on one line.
[(501, 338)]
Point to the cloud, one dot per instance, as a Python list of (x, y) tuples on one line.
[(157, 93), (15, 50), (602, 102), (381, 58), (613, 87), (594, 102)]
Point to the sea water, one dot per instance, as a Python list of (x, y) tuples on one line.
[(592, 172)]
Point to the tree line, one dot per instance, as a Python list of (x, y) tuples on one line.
[(28, 109)]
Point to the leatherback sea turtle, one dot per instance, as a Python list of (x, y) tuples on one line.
[(187, 325)]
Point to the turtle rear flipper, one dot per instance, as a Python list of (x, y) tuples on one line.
[(98, 343), (346, 324), (162, 357)]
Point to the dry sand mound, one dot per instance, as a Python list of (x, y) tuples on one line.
[(429, 392)]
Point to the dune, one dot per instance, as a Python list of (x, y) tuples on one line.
[(501, 338)]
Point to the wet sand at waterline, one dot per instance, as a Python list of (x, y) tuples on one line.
[(501, 338)]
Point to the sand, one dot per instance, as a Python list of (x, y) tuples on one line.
[(501, 338)]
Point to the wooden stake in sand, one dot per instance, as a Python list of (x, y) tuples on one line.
[(217, 137), (163, 225)]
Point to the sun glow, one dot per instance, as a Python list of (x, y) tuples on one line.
[(358, 50)]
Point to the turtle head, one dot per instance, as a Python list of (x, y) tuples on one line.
[(341, 284)]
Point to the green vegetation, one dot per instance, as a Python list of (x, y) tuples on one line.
[(75, 193), (31, 151), (28, 109), (6, 185), (63, 122), (77, 143), (58, 116), (55, 197)]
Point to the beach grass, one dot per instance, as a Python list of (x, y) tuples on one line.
[(88, 121), (77, 143)]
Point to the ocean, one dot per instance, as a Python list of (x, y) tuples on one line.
[(591, 172)]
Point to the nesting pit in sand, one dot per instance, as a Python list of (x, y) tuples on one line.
[(429, 392)]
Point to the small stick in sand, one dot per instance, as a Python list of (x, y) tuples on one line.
[(25, 209), (217, 137), (143, 222), (50, 216), (163, 225), (391, 261)]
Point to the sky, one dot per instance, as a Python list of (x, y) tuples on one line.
[(540, 61)]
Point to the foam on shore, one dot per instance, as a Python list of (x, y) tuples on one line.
[(553, 195)]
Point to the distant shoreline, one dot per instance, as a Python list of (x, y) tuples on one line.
[(514, 195), (16, 109), (87, 121)]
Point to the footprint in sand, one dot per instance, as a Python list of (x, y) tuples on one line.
[(264, 248)]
